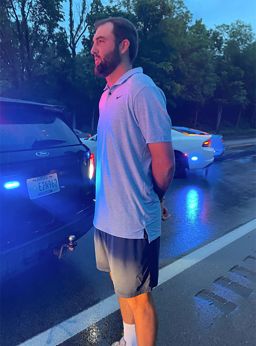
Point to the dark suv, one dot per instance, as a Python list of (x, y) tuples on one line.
[(47, 186)]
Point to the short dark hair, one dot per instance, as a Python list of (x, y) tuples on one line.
[(123, 29)]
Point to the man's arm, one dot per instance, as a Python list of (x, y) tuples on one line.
[(163, 166)]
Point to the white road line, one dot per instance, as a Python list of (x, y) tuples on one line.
[(239, 145), (94, 314)]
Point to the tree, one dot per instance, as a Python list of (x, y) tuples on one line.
[(248, 59), (197, 68), (76, 33), (162, 32), (231, 88), (199, 77), (31, 28), (8, 51)]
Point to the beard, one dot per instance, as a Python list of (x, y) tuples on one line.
[(108, 64)]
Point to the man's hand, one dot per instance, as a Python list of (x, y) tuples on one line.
[(164, 211)]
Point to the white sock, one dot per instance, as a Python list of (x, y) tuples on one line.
[(130, 334)]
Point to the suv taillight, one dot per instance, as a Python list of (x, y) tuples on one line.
[(206, 143), (91, 166)]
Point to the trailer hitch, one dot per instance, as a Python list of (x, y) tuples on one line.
[(69, 246)]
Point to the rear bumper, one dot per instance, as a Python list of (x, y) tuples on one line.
[(205, 158), (18, 259), (219, 153)]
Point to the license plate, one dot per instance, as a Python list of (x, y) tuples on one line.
[(43, 186)]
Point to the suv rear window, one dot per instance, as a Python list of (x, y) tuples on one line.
[(25, 126)]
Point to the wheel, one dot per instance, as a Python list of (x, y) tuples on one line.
[(181, 165), (180, 172)]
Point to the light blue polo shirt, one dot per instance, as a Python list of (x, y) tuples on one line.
[(132, 114)]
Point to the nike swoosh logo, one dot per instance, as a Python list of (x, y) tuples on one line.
[(118, 97)]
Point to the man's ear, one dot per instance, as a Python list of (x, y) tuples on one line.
[(124, 46)]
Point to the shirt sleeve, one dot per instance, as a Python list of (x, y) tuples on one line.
[(152, 116)]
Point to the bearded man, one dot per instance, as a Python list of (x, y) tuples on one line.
[(135, 166)]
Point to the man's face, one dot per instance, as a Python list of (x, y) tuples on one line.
[(105, 51)]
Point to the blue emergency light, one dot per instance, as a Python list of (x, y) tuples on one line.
[(194, 158), (9, 185)]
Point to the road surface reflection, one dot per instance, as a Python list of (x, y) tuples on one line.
[(188, 226)]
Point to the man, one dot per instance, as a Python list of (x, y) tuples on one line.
[(135, 165)]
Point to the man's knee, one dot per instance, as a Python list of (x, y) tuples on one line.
[(142, 301)]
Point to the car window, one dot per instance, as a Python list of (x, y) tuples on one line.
[(24, 127), (189, 132)]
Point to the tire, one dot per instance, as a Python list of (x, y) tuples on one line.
[(181, 165)]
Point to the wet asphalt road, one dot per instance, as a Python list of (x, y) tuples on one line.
[(202, 209)]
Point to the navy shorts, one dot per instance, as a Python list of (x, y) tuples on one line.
[(133, 263)]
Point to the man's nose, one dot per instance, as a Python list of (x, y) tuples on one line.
[(93, 49)]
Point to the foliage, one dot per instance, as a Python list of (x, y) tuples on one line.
[(207, 75), (27, 40)]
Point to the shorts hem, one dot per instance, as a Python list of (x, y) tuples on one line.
[(107, 270), (131, 295)]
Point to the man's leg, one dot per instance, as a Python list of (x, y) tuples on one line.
[(126, 311), (128, 320), (128, 323), (144, 312), (137, 263)]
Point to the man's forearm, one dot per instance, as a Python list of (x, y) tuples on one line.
[(163, 166), (162, 179)]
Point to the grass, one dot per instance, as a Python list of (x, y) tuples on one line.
[(230, 133)]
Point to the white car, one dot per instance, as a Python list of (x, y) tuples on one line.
[(191, 152), (216, 140)]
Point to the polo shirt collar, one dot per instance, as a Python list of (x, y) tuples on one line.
[(125, 76)]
